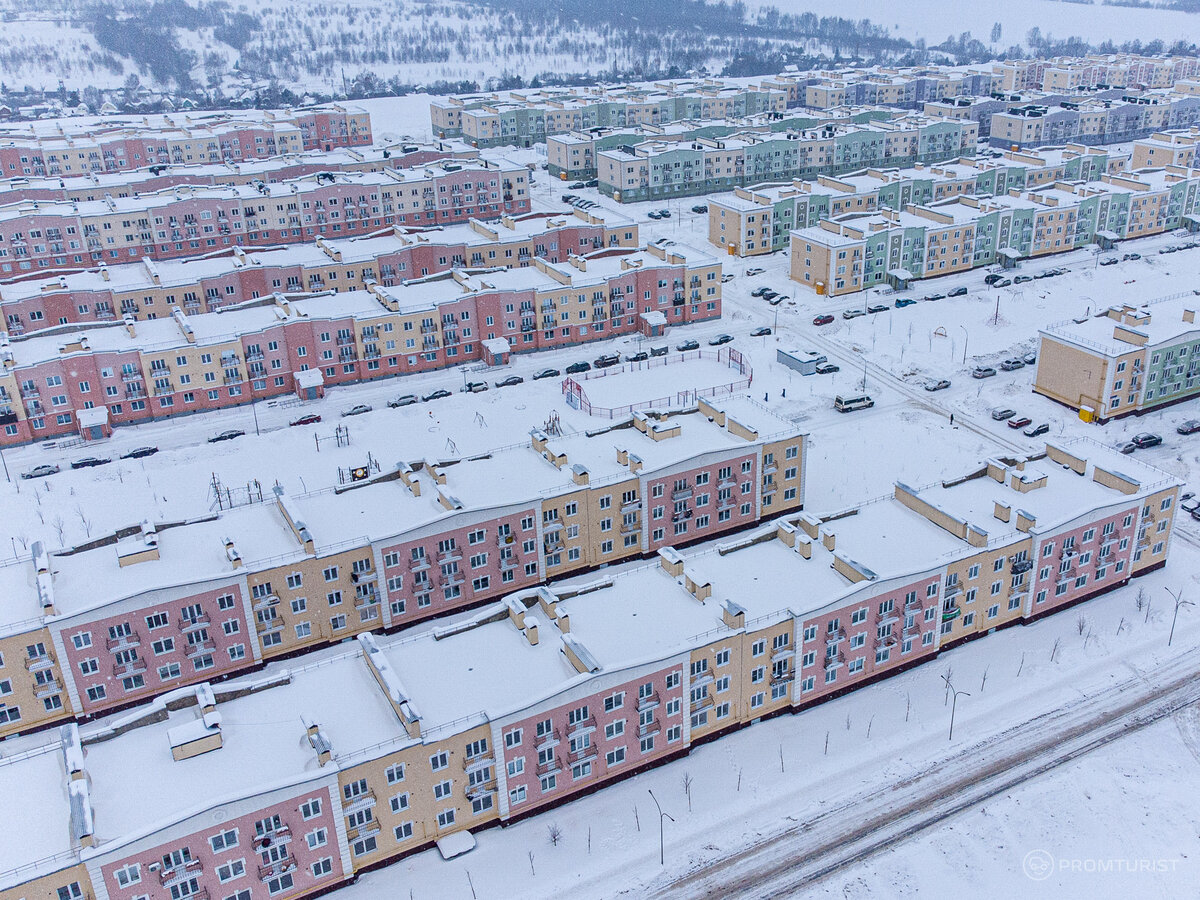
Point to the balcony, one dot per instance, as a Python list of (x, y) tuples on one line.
[(123, 640), (280, 835), (189, 624), (364, 577), (204, 646), (547, 767), (273, 624), (545, 740), (648, 702), (280, 867), (450, 580), (370, 598), (449, 556), (681, 493), (471, 763), (583, 754), (419, 564), (191, 867), (649, 728), (832, 662), (266, 601), (838, 634), (36, 663), (46, 688), (950, 614)]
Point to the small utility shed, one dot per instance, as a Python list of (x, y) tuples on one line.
[(803, 361)]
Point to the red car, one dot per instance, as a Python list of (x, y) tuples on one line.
[(311, 419), (824, 319), (1020, 423)]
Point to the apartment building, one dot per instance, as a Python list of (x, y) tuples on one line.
[(524, 118), (1124, 360), (59, 147), (1094, 121), (105, 626), (845, 255), (190, 221), (1167, 148), (1073, 73), (147, 289), (397, 744), (652, 170), (89, 382), (758, 220), (127, 183), (573, 154)]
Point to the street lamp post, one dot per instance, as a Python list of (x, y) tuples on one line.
[(966, 338), (661, 839), (953, 704), (1179, 601), (5, 463)]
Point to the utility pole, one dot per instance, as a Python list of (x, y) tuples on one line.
[(966, 338), (1179, 601), (953, 704), (661, 839)]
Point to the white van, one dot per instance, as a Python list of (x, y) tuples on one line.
[(849, 404)]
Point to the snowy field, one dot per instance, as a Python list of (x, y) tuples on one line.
[(936, 20)]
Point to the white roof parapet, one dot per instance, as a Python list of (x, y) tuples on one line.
[(82, 825)]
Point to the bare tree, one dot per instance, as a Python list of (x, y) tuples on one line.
[(983, 683), (687, 788), (1140, 600), (532, 873), (1054, 649), (1022, 665), (555, 833), (1081, 624), (948, 676), (60, 528), (870, 722), (907, 705)]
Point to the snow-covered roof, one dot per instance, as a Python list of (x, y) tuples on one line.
[(1167, 324)]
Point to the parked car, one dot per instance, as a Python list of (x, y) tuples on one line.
[(1147, 439), (849, 404), (474, 387), (933, 297), (1162, 250), (853, 313), (592, 182), (90, 461), (775, 301), (1003, 283), (140, 453), (567, 198), (1191, 426), (1048, 273), (939, 385), (957, 292), (728, 276), (403, 400), (665, 213), (577, 184), (660, 351), (905, 301), (761, 332), (1128, 447), (750, 273), (878, 308), (439, 394), (983, 372), (607, 360), (1131, 256), (576, 368), (226, 436), (1112, 260), (688, 345), (510, 381), (310, 419), (1029, 358), (546, 373), (1000, 413), (700, 208), (759, 291), (653, 214), (1037, 430), (1011, 365), (720, 339), (1022, 422), (823, 319), (827, 368), (40, 471), (1191, 504), (1022, 279), (357, 410), (770, 295), (992, 278), (640, 356)]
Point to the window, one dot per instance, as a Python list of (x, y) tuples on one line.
[(127, 875), (317, 838), (439, 761), (395, 773), (231, 870), (310, 809), (445, 818), (322, 867)]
